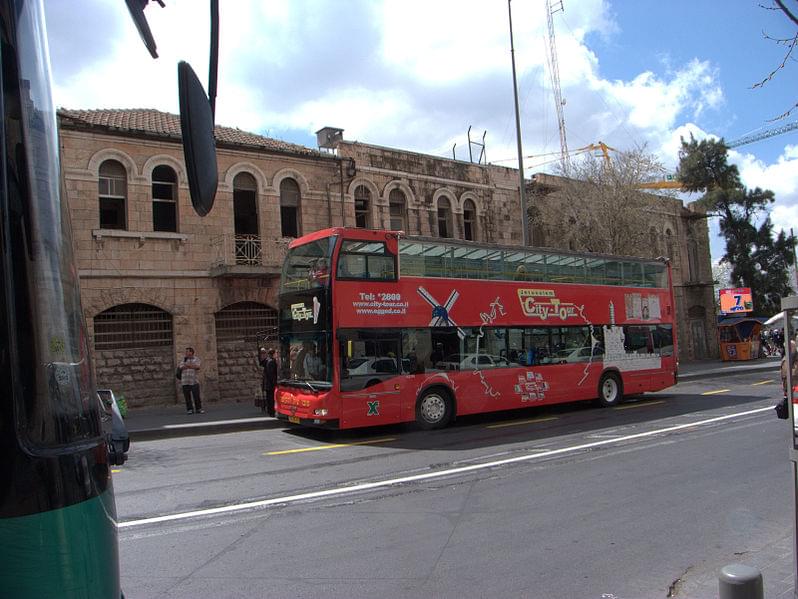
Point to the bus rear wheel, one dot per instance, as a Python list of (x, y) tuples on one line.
[(610, 390), (434, 409)]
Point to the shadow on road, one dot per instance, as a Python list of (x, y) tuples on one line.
[(497, 428)]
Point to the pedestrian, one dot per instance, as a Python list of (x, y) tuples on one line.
[(190, 382), (262, 357), (312, 364), (299, 363), (437, 354), (269, 381)]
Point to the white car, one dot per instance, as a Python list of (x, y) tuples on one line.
[(579, 354), (379, 365), (472, 362)]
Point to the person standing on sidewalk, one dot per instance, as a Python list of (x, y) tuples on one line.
[(190, 383), (269, 381)]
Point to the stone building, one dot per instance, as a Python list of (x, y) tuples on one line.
[(156, 278)]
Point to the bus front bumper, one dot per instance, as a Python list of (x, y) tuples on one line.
[(314, 422)]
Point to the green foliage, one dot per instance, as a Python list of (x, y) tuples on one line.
[(122, 405), (758, 260), (703, 166)]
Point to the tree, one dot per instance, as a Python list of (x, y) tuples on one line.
[(757, 259), (601, 205)]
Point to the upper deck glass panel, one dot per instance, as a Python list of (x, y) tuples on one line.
[(419, 258)]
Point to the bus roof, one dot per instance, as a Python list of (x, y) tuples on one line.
[(374, 234), (348, 232)]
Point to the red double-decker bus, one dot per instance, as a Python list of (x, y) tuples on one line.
[(379, 328)]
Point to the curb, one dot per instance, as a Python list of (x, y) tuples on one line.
[(195, 429), (730, 371)]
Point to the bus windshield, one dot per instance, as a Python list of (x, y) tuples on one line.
[(306, 359), (308, 266)]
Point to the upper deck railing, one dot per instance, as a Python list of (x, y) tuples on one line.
[(435, 258)]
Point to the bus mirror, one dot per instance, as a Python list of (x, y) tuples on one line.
[(136, 9), (199, 145)]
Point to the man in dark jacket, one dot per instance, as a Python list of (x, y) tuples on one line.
[(269, 381)]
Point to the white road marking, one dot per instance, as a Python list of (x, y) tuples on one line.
[(217, 422), (342, 490)]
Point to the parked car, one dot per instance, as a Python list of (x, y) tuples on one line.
[(114, 429), (579, 354), (378, 365), (472, 362)]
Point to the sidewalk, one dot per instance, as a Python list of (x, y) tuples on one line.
[(706, 368), (172, 421)]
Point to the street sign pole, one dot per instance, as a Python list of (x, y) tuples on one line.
[(790, 305)]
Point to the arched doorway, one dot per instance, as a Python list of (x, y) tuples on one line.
[(134, 353), (239, 328)]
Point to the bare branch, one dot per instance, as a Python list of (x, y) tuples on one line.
[(785, 114), (791, 47), (787, 12)]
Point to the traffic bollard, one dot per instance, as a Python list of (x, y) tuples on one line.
[(737, 581)]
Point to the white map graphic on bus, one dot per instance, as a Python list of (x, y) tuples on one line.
[(615, 354)]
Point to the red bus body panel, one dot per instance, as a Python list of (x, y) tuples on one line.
[(406, 304)]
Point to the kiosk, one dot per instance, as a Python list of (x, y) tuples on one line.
[(739, 337)]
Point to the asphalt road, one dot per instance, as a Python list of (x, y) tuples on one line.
[(572, 501)]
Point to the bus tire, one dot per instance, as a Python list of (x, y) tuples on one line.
[(610, 389), (434, 409)]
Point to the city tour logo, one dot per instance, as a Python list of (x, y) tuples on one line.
[(543, 304)]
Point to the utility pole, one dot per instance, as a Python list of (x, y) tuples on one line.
[(524, 216), (794, 260)]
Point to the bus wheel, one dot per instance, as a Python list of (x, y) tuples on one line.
[(434, 409), (610, 390)]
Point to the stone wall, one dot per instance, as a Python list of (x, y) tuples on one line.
[(143, 376), (239, 373)]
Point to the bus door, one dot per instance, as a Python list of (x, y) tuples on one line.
[(371, 376)]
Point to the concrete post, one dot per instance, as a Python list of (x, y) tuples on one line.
[(737, 581)]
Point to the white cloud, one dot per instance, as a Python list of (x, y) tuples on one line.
[(781, 177)]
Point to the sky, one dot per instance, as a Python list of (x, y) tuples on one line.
[(415, 75)]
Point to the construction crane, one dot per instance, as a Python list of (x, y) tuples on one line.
[(752, 137), (554, 6)]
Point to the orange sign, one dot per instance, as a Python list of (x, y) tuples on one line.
[(734, 301)]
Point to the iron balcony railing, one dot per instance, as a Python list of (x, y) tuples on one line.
[(231, 249)]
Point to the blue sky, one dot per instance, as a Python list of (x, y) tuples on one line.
[(415, 74)]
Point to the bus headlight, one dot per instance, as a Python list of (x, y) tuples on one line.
[(320, 412)]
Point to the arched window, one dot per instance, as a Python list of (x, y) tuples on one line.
[(245, 204), (245, 219), (362, 207), (113, 195), (132, 326), (445, 228), (469, 220), (397, 209), (164, 199), (289, 208), (669, 245)]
